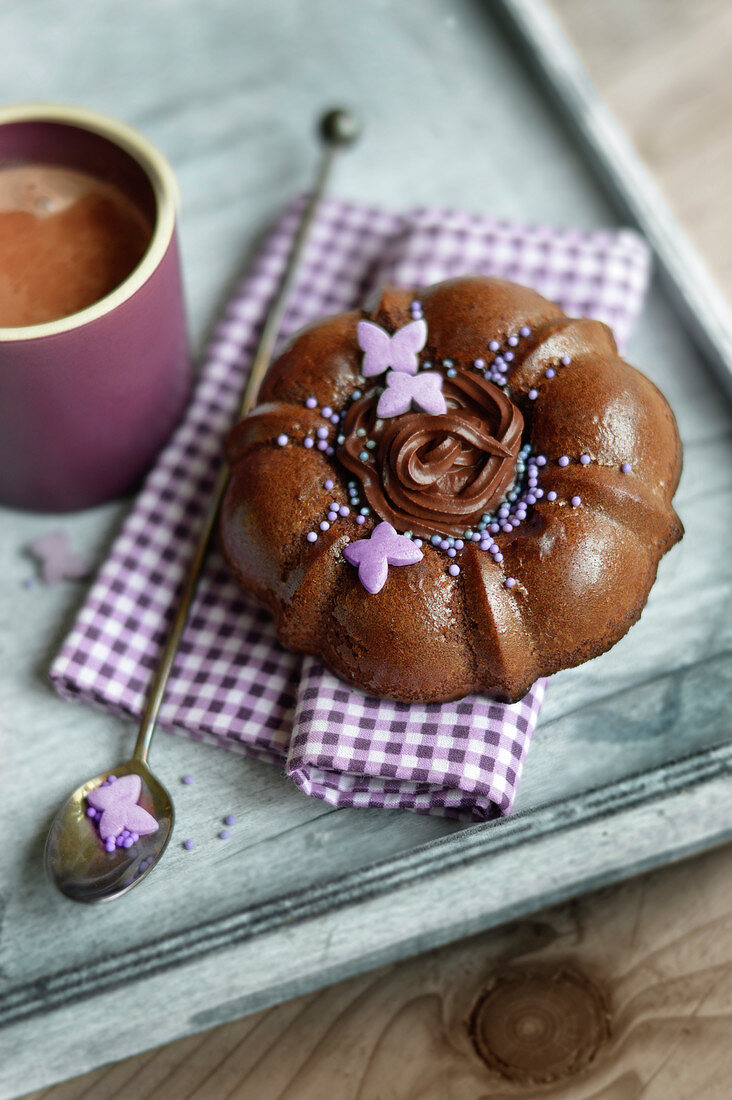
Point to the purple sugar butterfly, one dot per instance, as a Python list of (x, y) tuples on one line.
[(56, 560), (374, 555), (424, 391), (118, 803), (398, 351)]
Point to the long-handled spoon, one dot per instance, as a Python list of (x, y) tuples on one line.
[(129, 805)]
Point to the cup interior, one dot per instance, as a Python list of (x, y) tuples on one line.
[(62, 145), (82, 140)]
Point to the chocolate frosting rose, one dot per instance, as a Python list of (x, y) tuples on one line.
[(435, 475)]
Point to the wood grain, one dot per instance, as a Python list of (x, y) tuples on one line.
[(663, 68), (623, 993)]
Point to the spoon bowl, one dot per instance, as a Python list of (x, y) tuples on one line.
[(76, 858)]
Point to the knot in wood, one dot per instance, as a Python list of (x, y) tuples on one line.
[(539, 1025)]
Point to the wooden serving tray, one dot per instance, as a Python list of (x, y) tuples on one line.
[(630, 766)]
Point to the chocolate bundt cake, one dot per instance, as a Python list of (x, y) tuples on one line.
[(462, 490)]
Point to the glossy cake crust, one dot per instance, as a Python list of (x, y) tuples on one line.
[(560, 586)]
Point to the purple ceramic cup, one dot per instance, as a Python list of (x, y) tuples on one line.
[(87, 401)]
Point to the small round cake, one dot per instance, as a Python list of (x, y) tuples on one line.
[(458, 491)]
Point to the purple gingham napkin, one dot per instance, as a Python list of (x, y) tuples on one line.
[(232, 684)]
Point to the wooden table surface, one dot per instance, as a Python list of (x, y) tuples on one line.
[(620, 994)]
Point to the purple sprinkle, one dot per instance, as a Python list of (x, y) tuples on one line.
[(585, 460), (91, 812), (508, 356), (311, 536), (498, 557), (330, 450), (494, 528), (111, 779), (282, 440), (335, 418), (328, 484), (188, 780), (551, 495), (311, 403), (540, 460), (360, 520), (326, 411), (333, 506), (224, 834), (530, 498), (110, 844), (550, 372), (322, 433), (307, 442), (565, 360), (344, 510), (493, 345), (626, 468), (127, 842), (510, 582), (564, 461), (525, 330), (324, 525), (452, 552), (453, 570), (322, 445), (416, 304), (507, 528), (332, 517), (459, 544), (575, 501), (229, 820), (479, 363), (188, 845), (513, 341), (533, 394), (475, 537), (417, 543)]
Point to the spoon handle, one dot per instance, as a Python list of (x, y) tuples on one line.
[(338, 128)]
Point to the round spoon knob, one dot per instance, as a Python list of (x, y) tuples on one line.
[(340, 127)]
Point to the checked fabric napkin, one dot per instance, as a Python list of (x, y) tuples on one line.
[(232, 683)]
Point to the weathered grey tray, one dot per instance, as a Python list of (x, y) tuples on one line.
[(631, 764)]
